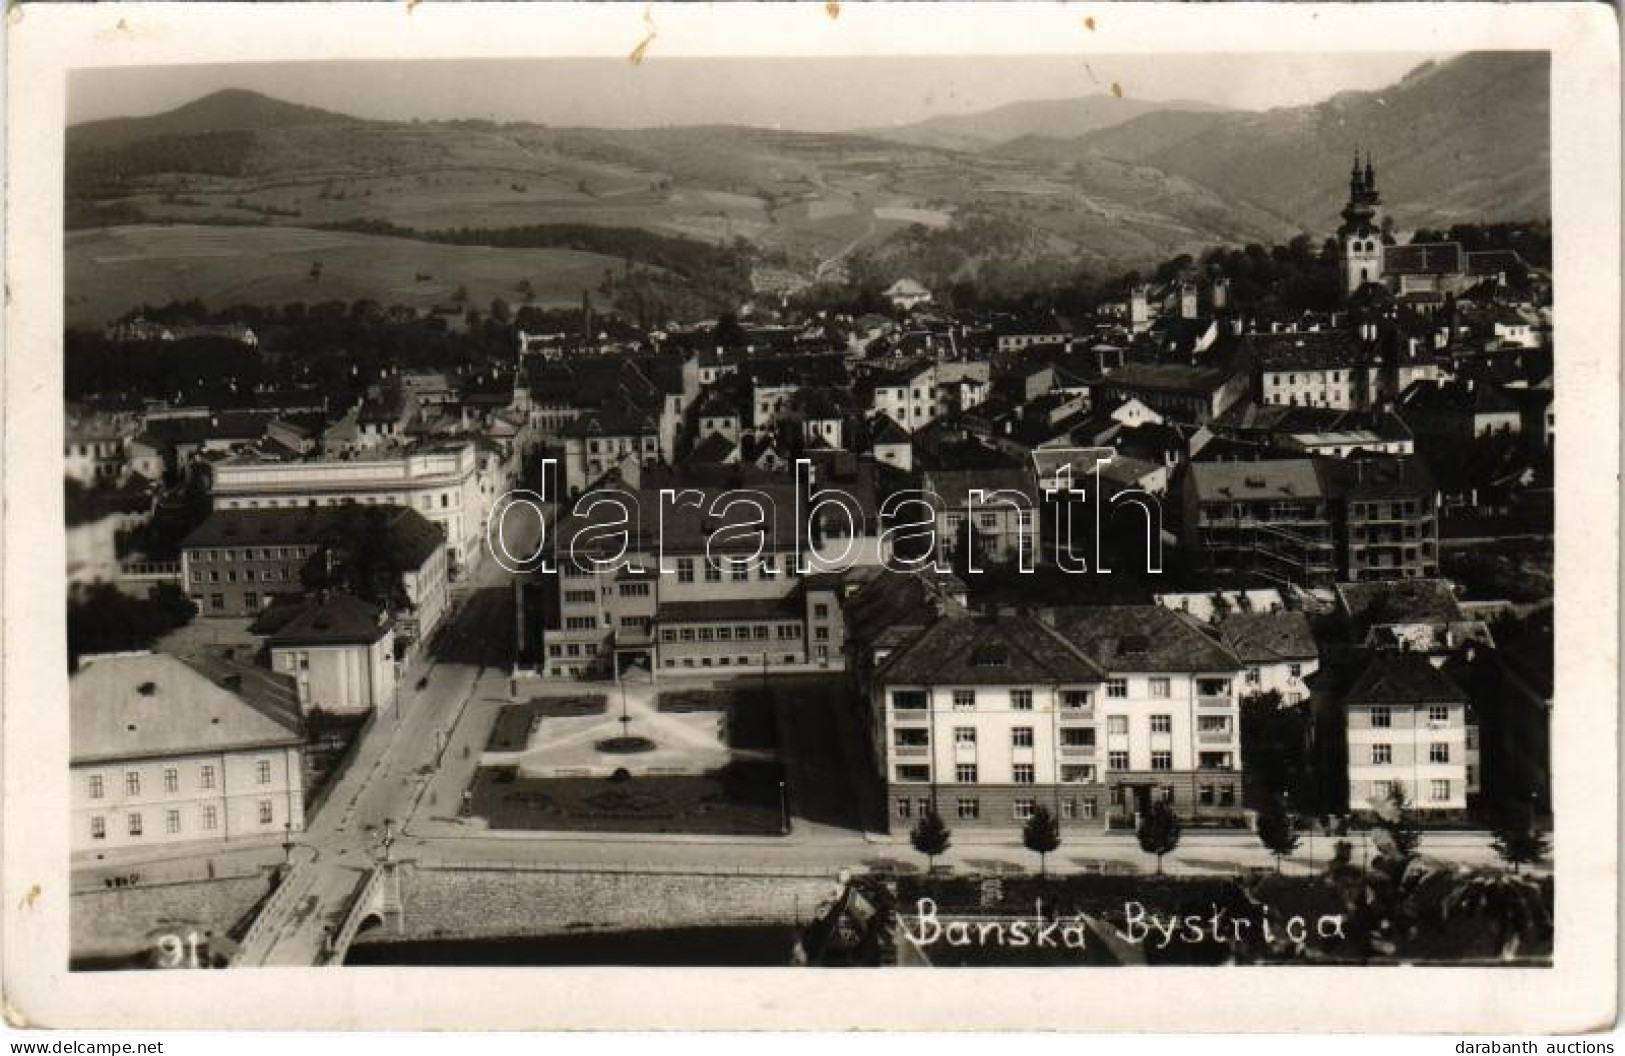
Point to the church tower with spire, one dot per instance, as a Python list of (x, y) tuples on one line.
[(1360, 238)]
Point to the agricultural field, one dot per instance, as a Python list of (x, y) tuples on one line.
[(111, 270)]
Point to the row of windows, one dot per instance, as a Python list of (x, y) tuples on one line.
[(1383, 754), (965, 699), (264, 553), (742, 661), (784, 632), (970, 809), (1382, 716), (208, 820), (1022, 773), (172, 779), (1438, 791), (267, 575)]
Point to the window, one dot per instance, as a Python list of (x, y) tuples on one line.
[(266, 814), (1162, 760), (911, 738), (132, 783), (1021, 737), (1472, 738), (904, 807), (1439, 752), (1213, 724), (1089, 808), (913, 772), (685, 570), (134, 824), (1160, 687), (1382, 717), (1162, 724), (1440, 791), (1117, 724), (1205, 796), (1382, 754), (1073, 774), (1212, 687), (1295, 670), (206, 777), (713, 572), (1117, 760), (908, 699), (1021, 700), (211, 818), (1076, 698), (964, 700), (172, 822), (761, 633), (1022, 773), (1117, 688), (1069, 809), (1078, 737), (741, 571), (631, 590), (95, 786), (969, 809), (580, 623), (965, 773), (820, 611), (98, 828), (172, 779), (1023, 809), (965, 735), (1439, 714)]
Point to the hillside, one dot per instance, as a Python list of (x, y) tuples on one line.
[(1037, 207), (1052, 118), (1462, 140)]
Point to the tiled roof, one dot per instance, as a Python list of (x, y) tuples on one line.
[(1245, 481), (1402, 678), (1268, 637), (153, 704), (989, 650), (1424, 258), (1400, 601), (1304, 350), (1167, 377), (337, 619), (1142, 638)]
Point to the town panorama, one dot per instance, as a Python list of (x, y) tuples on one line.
[(483, 550)]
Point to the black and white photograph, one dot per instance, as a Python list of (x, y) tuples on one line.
[(1058, 510)]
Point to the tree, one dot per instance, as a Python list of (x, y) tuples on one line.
[(1517, 839), (1159, 831), (930, 836), (1041, 834), (1276, 833), (1397, 835)]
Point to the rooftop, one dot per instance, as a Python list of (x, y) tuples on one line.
[(1269, 637), (133, 706), (1142, 638), (992, 650)]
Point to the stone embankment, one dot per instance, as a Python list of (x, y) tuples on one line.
[(482, 901)]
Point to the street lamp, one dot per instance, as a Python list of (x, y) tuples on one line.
[(287, 843), (784, 810)]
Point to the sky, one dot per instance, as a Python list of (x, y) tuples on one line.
[(808, 94)]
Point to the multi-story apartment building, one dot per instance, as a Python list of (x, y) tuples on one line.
[(1170, 712), (690, 592), (1192, 395), (1269, 519), (987, 717), (440, 481), (1409, 724), (1311, 522), (1094, 712), (166, 750)]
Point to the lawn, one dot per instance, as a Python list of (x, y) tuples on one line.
[(741, 800), (511, 731)]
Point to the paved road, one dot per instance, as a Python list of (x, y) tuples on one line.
[(389, 775)]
